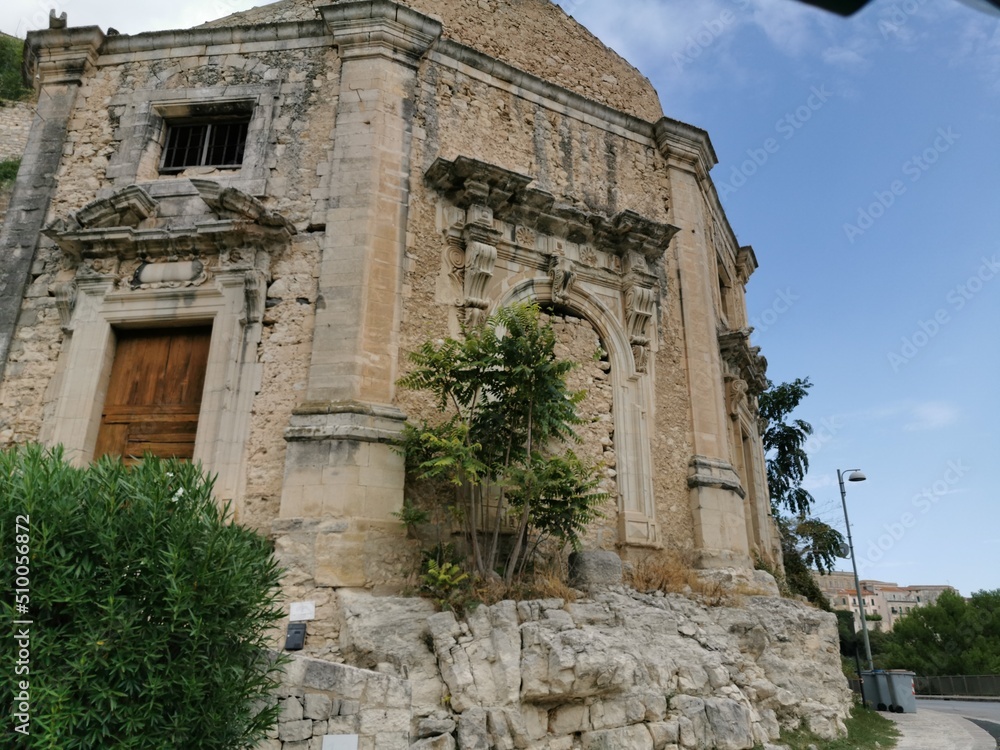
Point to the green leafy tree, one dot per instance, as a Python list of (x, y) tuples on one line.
[(507, 410), (951, 636), (150, 612), (806, 541), (11, 55)]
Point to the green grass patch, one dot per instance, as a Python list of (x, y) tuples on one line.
[(866, 730)]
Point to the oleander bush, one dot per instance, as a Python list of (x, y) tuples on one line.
[(149, 610)]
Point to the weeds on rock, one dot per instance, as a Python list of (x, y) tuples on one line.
[(866, 730)]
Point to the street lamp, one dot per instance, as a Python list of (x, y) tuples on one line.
[(855, 476)]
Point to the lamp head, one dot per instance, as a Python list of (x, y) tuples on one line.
[(856, 476)]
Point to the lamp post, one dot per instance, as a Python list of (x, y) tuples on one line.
[(855, 476)]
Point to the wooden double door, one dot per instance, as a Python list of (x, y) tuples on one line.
[(154, 394)]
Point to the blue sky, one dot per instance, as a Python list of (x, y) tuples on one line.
[(860, 157)]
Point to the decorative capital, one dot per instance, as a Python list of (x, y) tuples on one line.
[(380, 28), (744, 361), (687, 145), (60, 55)]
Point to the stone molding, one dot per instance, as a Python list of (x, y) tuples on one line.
[(746, 263), (346, 420), (380, 28), (711, 472), (685, 145)]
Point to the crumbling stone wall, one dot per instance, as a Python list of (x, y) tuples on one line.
[(15, 120), (319, 699)]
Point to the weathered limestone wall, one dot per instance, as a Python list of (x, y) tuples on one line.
[(15, 121), (616, 669), (600, 169), (533, 35)]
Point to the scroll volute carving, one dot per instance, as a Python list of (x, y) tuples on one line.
[(738, 390), (640, 303), (480, 240)]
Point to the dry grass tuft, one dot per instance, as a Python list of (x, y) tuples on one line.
[(672, 572), (542, 585)]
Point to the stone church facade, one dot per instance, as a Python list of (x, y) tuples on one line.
[(223, 241)]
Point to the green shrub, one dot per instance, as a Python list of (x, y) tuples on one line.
[(149, 610)]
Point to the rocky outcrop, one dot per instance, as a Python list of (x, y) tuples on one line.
[(618, 669)]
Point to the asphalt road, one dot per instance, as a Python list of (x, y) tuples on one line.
[(984, 714)]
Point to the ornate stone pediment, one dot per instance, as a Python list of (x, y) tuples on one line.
[(125, 226), (126, 208), (742, 360)]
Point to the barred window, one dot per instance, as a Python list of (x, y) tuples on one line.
[(215, 143)]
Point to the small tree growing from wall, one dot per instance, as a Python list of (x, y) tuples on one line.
[(507, 416), (149, 612)]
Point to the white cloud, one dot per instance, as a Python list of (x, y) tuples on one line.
[(930, 415)]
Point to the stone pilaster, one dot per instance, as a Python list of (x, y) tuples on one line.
[(716, 494), (59, 59), (340, 461)]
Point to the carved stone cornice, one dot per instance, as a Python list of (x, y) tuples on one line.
[(110, 227), (685, 145), (467, 182), (380, 28), (746, 263), (61, 55), (230, 203), (743, 360)]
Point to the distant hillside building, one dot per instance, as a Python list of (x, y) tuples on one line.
[(884, 601)]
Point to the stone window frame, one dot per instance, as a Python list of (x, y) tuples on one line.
[(231, 376), (144, 130)]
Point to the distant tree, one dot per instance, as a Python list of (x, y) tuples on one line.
[(807, 542), (150, 611), (951, 636), (11, 56)]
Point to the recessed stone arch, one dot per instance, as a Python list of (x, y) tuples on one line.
[(632, 408)]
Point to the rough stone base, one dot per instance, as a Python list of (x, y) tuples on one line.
[(619, 670)]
